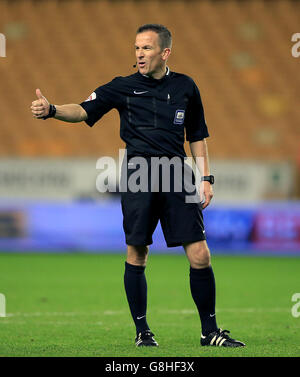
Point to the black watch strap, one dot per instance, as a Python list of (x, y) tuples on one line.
[(52, 112), (209, 178)]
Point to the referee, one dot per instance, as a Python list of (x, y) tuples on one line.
[(158, 108)]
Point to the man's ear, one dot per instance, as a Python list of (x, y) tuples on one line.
[(166, 53)]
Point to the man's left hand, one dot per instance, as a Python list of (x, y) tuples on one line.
[(206, 193)]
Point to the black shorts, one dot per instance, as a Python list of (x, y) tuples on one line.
[(146, 199)]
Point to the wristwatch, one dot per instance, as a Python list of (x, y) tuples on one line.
[(209, 178), (52, 112)]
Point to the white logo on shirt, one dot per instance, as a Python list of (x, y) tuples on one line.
[(136, 92), (179, 117), (91, 97)]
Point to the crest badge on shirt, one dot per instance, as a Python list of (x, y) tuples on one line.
[(179, 117), (91, 97)]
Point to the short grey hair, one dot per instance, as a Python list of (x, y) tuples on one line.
[(165, 37)]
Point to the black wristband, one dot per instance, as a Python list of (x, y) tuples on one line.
[(209, 178), (52, 112)]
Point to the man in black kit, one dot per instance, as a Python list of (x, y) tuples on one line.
[(157, 109)]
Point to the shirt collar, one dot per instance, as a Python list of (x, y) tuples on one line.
[(166, 74)]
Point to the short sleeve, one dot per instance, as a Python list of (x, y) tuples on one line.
[(101, 101), (195, 125)]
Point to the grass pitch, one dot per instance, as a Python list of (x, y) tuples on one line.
[(75, 305)]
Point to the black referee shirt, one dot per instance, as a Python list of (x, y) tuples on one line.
[(155, 114)]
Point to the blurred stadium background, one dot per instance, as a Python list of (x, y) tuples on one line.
[(239, 54)]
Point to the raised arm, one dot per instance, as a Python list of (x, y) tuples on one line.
[(72, 113)]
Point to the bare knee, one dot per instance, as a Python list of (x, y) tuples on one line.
[(198, 254), (137, 255)]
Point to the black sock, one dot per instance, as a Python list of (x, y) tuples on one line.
[(136, 291), (203, 289)]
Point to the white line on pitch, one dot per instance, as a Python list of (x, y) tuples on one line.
[(165, 311)]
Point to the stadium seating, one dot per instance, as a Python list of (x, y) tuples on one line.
[(238, 52)]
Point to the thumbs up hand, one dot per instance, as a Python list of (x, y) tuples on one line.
[(40, 107)]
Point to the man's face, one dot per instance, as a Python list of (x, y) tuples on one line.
[(149, 56)]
